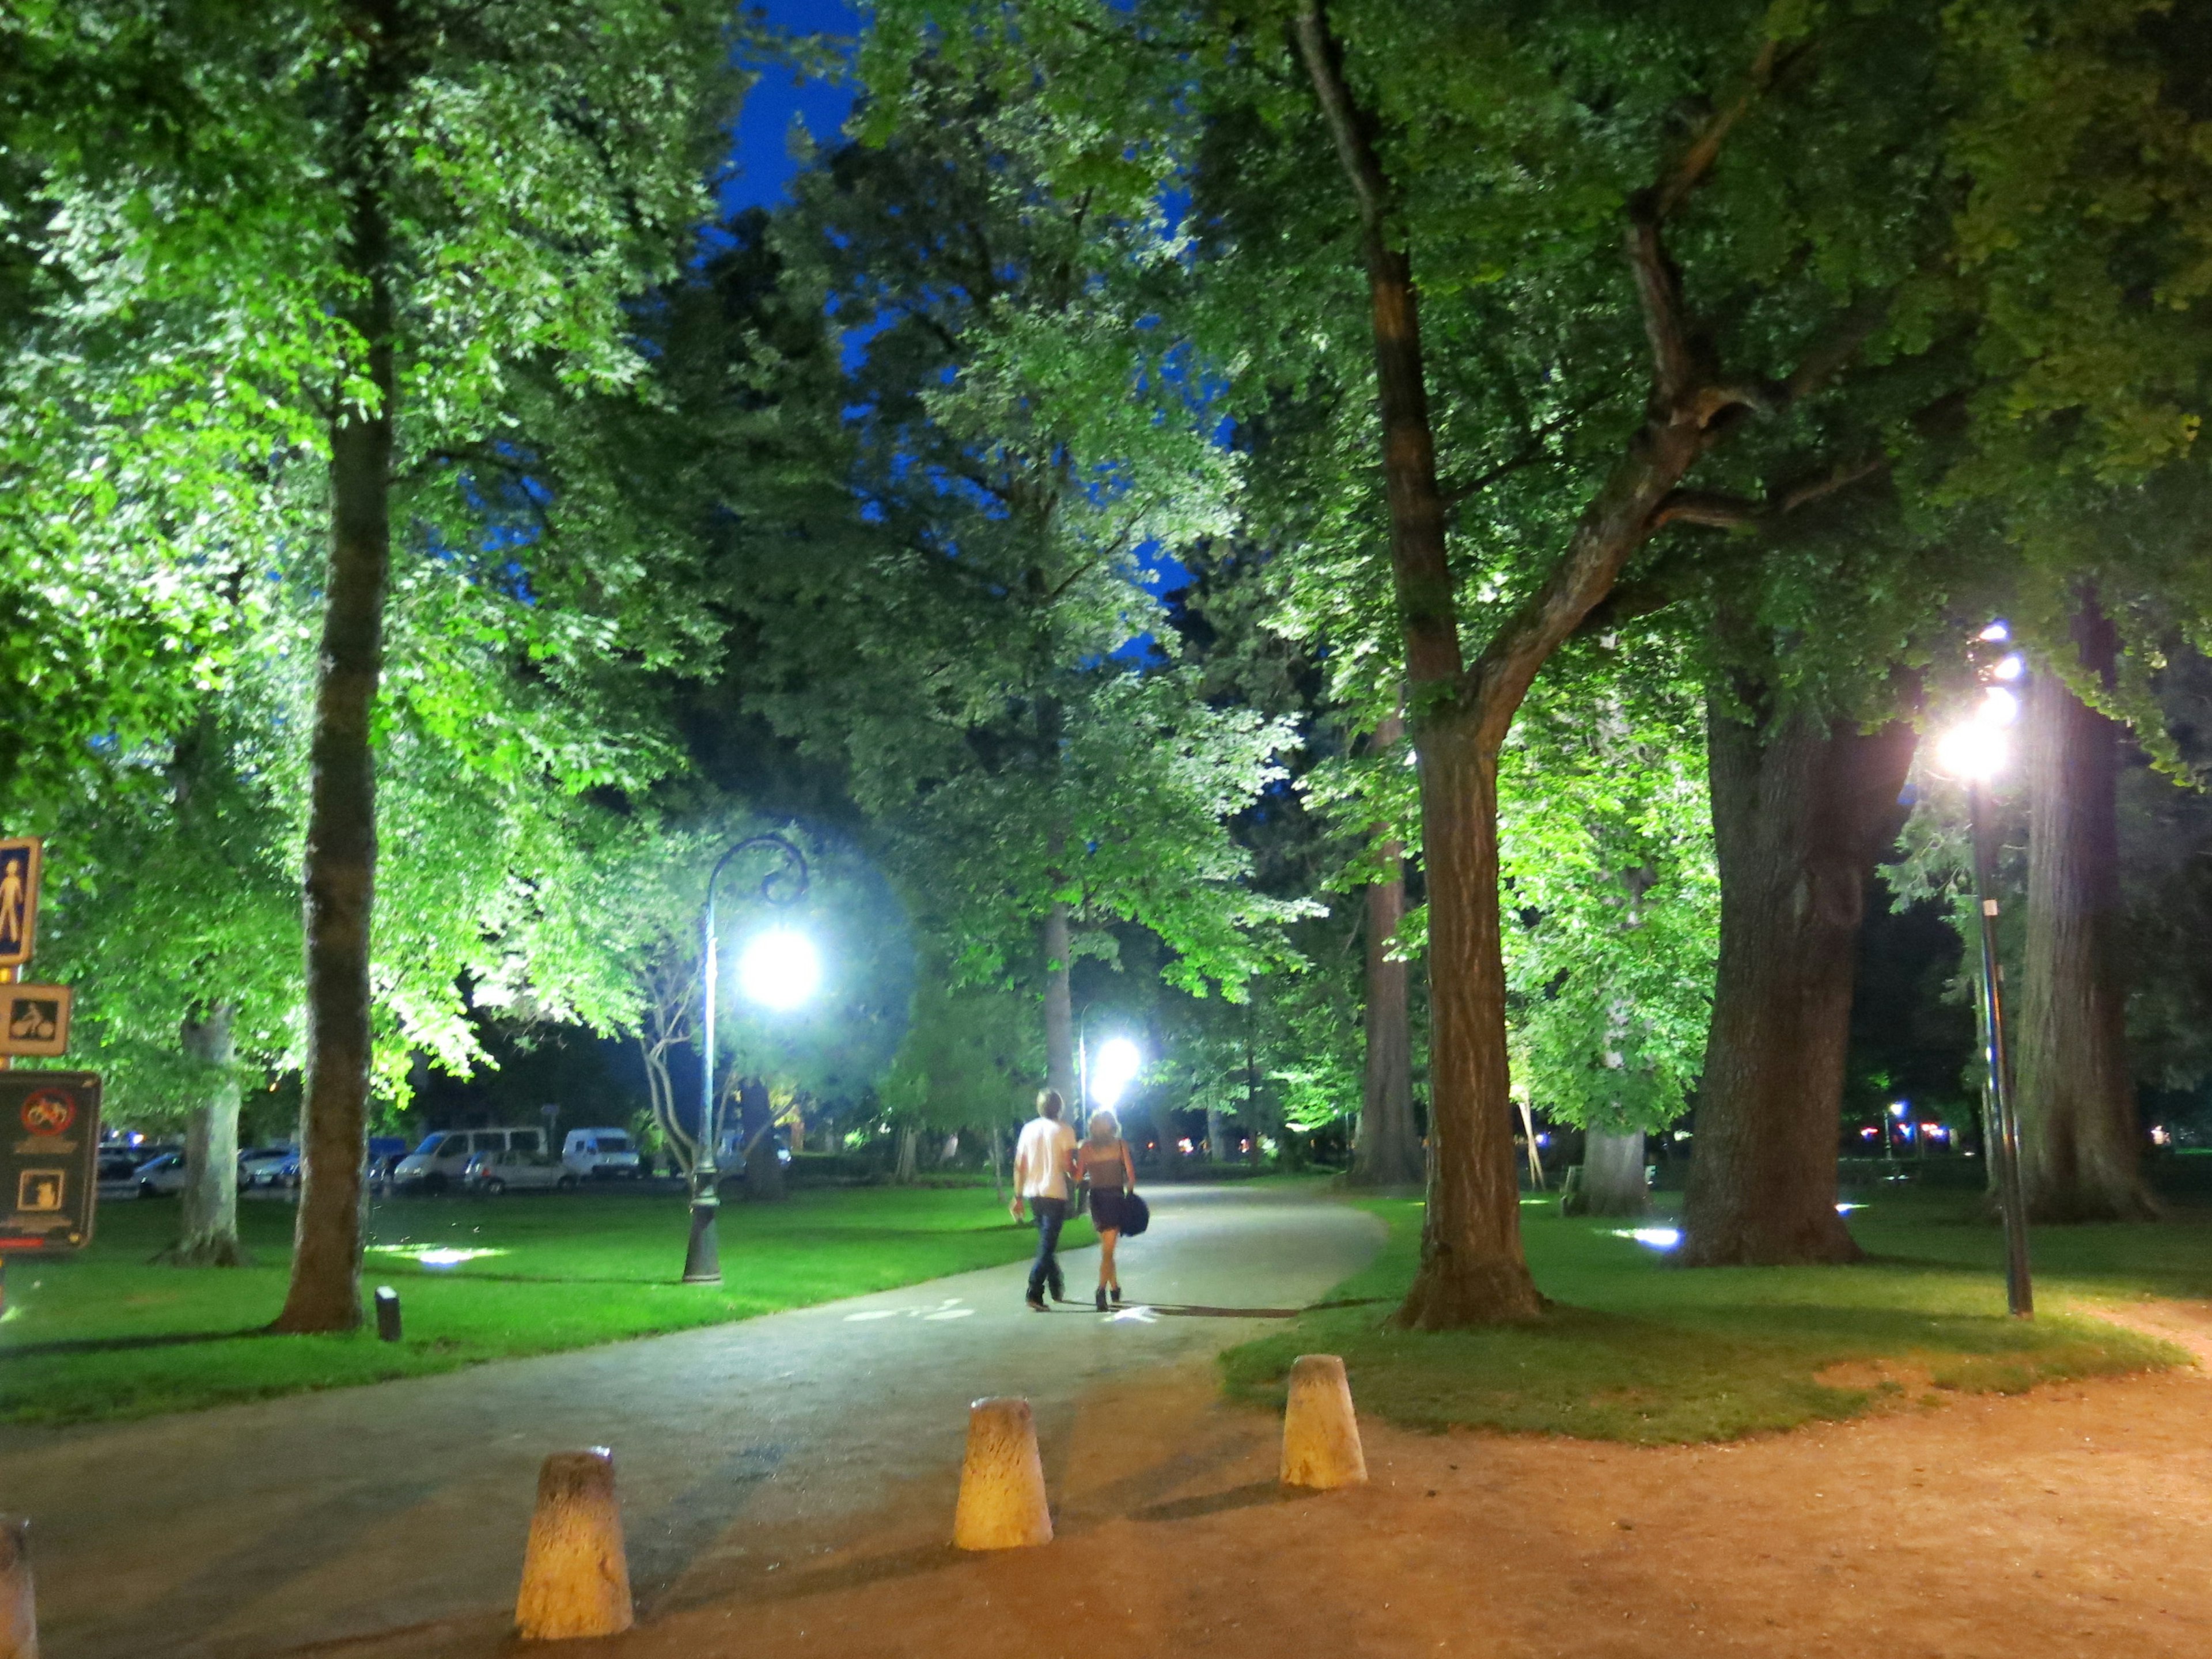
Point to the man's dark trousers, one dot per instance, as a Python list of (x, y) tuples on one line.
[(1051, 1217)]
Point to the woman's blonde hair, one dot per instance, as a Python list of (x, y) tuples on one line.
[(1104, 1126)]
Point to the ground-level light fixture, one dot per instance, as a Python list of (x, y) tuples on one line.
[(780, 967), (1974, 753)]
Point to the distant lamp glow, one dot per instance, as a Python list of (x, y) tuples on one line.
[(1897, 1108), (1114, 1071), (1999, 707), (780, 969), (1995, 634), (1975, 752), (2010, 667)]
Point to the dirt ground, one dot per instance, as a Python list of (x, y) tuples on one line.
[(2075, 1520)]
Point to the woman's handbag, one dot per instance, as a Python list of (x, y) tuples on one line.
[(1136, 1215)]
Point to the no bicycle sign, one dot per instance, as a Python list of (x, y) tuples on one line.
[(49, 1159)]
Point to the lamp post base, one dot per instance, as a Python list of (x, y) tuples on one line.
[(702, 1259)]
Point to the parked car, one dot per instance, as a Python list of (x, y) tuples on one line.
[(516, 1171), (385, 1152), (162, 1177), (600, 1154), (268, 1166), (118, 1173), (444, 1154)]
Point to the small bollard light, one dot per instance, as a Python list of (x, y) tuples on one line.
[(387, 1313)]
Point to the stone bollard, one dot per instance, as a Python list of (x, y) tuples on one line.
[(1321, 1436), (19, 1609), (575, 1577), (1002, 1503)]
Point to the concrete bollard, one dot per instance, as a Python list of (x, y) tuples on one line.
[(1002, 1502), (19, 1608), (1321, 1436), (575, 1577)]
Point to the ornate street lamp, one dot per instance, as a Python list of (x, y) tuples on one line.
[(1974, 751), (788, 962)]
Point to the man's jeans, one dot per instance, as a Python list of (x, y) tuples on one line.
[(1051, 1217)]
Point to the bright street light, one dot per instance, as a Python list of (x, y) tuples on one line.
[(780, 969), (779, 972), (1974, 753), (1115, 1069)]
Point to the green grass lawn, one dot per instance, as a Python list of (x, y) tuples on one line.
[(107, 1334), (1636, 1349)]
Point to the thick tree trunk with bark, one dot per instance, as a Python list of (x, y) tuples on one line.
[(2081, 1145), (1217, 1135), (1801, 811), (207, 1227), (1471, 1270), (1059, 1012), (1613, 1181), (324, 1293), (1388, 1151), (907, 1170)]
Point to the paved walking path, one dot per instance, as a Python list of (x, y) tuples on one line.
[(250, 1529)]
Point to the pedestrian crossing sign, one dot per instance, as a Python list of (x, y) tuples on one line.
[(19, 899)]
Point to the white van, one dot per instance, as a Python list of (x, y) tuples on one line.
[(437, 1164), (599, 1153)]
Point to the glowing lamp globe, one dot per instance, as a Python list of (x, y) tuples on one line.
[(780, 969), (1975, 752), (1115, 1069)]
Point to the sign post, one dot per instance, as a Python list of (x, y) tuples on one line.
[(49, 1121)]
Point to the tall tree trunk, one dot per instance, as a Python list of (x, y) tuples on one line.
[(1217, 1135), (1389, 1150), (909, 1148), (2080, 1146), (1472, 1269), (1801, 811), (324, 1293), (763, 1179), (207, 1226), (998, 1167), (1612, 1182), (1059, 1012)]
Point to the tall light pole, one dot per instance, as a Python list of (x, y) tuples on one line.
[(1973, 752), (702, 1257)]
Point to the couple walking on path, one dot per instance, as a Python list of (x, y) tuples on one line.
[(1048, 1162)]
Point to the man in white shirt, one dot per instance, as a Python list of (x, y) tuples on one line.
[(1042, 1160)]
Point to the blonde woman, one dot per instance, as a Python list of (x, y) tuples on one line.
[(1102, 1161)]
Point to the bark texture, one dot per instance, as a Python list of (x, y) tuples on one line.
[(1472, 1271), (1612, 1182), (1059, 1012), (1217, 1149), (1388, 1153), (907, 1170), (207, 1222), (2080, 1144), (1801, 811), (325, 1292)]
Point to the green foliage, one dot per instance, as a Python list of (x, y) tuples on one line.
[(1613, 899)]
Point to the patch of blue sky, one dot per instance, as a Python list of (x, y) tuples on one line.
[(762, 166)]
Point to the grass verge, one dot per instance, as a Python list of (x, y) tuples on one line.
[(107, 1334), (1635, 1349)]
